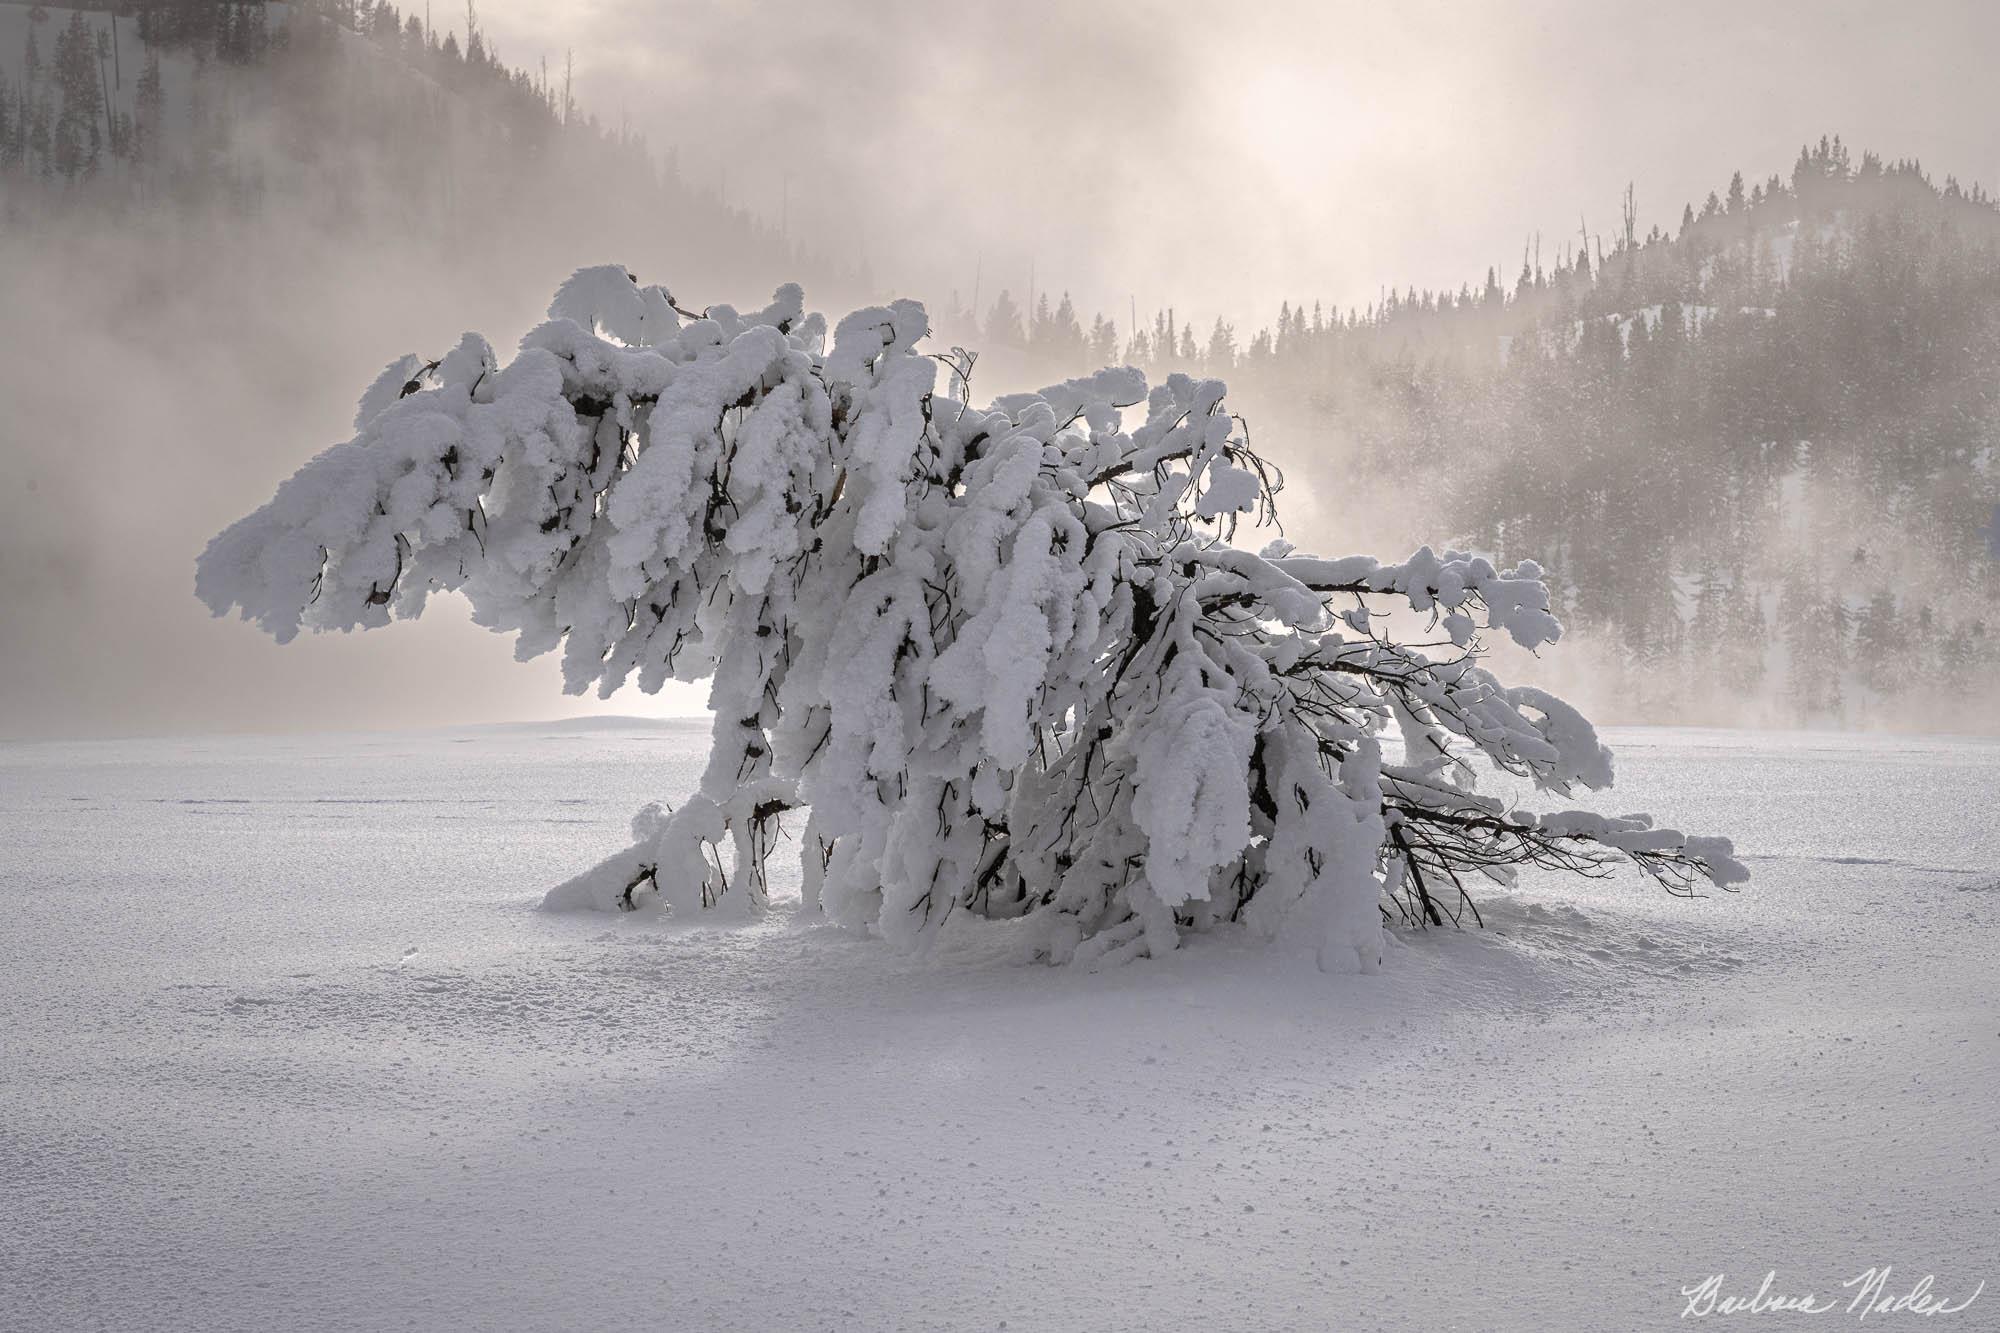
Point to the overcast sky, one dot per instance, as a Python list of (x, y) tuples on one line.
[(1226, 157)]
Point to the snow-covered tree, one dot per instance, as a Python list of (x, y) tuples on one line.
[(1006, 657)]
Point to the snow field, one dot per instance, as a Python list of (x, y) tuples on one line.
[(289, 1047)]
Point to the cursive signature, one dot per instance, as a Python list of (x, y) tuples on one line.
[(1871, 1294)]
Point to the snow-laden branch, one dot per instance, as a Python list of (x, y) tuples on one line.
[(1005, 656)]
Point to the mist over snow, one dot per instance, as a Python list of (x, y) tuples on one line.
[(190, 311), (288, 228), (1230, 160)]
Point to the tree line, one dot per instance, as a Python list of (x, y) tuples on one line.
[(355, 114), (1758, 449)]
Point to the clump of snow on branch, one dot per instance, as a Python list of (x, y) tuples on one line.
[(1005, 657)]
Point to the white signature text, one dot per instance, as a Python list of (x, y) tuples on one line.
[(1868, 1293)]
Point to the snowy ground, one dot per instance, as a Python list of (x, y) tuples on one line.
[(287, 1047)]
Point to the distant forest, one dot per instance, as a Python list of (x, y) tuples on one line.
[(1757, 451), (62, 118), (343, 112)]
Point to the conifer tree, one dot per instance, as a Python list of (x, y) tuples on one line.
[(1003, 322)]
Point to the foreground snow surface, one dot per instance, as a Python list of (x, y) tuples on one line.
[(288, 1047)]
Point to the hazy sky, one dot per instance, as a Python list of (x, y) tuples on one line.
[(1227, 157)]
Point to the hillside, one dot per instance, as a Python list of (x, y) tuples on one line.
[(1761, 453), (1758, 452), (342, 117), (302, 200)]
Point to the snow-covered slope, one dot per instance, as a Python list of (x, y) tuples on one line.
[(289, 1048)]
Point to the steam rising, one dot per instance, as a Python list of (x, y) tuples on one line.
[(165, 366)]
